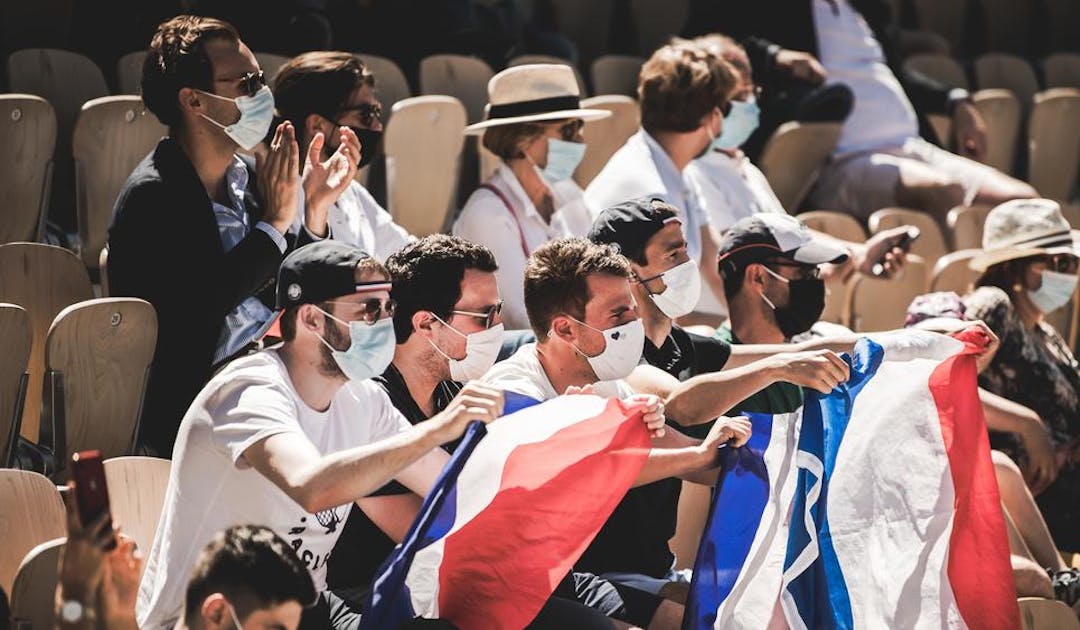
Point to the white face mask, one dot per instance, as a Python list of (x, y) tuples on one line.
[(683, 289), (481, 350), (371, 348), (1056, 291), (235, 619), (256, 116), (623, 346)]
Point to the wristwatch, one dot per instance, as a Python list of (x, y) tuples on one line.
[(73, 611)]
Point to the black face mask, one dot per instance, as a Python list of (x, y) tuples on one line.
[(369, 143), (806, 301)]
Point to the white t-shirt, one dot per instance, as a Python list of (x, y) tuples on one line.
[(732, 188), (882, 116), (357, 219), (210, 488), (523, 374)]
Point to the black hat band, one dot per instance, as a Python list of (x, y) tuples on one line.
[(536, 106)]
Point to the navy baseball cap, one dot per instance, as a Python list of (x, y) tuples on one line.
[(320, 271), (769, 235), (629, 225)]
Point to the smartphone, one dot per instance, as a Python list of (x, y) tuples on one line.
[(903, 242), (91, 491)]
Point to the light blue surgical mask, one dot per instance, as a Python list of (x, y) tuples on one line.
[(256, 116), (371, 348), (1056, 291), (562, 159), (739, 124)]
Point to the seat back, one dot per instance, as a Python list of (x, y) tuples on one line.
[(464, 78), (966, 224), (605, 136), (137, 488), (129, 72), (28, 127), (656, 21), (1046, 614), (33, 595), (842, 226), (1062, 70), (693, 513), (391, 85), (423, 142), (524, 60), (931, 243), (953, 272), (587, 24), (98, 355), (616, 74), (878, 304), (793, 157), (33, 514), (112, 135), (942, 68), (43, 279), (1054, 142), (64, 78), (1008, 72), (270, 63), (1001, 111), (15, 338)]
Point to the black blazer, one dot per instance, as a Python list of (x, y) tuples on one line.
[(164, 247)]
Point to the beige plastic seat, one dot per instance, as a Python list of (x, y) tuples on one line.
[(97, 359), (1046, 614), (1071, 212), (793, 157), (587, 24), (966, 225), (64, 78), (946, 17), (690, 523), (953, 272), (605, 136), (875, 305), (391, 85), (1054, 142), (33, 595), (15, 338), (842, 226), (112, 135), (129, 72), (464, 78), (524, 60), (44, 280), (423, 142), (616, 74), (941, 68), (1008, 72), (270, 63), (931, 243), (1001, 111), (137, 488), (656, 21), (1062, 70), (28, 127), (1007, 24), (32, 514)]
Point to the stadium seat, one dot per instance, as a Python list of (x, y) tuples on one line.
[(391, 85), (1007, 72), (694, 501), (656, 21), (946, 17), (1054, 142), (136, 495), (842, 226), (16, 338), (931, 243), (587, 24), (44, 280), (423, 142), (1001, 111), (1062, 70), (523, 60), (33, 595), (941, 68), (953, 273), (64, 78), (270, 63), (605, 136), (28, 126), (1046, 614), (1008, 25), (129, 72), (793, 157), (112, 135), (464, 78), (875, 305), (102, 341), (33, 514), (616, 74), (966, 226)]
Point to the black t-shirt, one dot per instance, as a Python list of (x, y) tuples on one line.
[(635, 537)]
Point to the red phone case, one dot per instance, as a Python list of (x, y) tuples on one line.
[(91, 490)]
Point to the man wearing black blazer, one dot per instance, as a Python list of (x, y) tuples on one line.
[(199, 231), (793, 43)]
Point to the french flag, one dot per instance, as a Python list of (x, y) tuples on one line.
[(873, 507), (516, 506)]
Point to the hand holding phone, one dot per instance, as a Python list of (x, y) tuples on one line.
[(91, 491), (903, 242)]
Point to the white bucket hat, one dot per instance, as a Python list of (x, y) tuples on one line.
[(1022, 228), (533, 92)]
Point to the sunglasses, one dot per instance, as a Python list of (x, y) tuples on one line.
[(806, 272), (250, 83), (369, 113), (1061, 263), (371, 310), (488, 315), (725, 108)]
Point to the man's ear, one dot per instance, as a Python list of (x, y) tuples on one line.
[(215, 611), (311, 318), (190, 100), (315, 123), (754, 275), (561, 328), (422, 321)]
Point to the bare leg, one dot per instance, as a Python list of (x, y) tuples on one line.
[(1021, 507)]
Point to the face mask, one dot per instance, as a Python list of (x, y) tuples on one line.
[(806, 301), (739, 124), (235, 619), (683, 290), (709, 146), (369, 143), (1056, 291), (371, 348), (623, 346), (562, 159), (481, 350), (256, 114)]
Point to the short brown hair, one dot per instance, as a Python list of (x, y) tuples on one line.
[(367, 266), (555, 279), (318, 82), (177, 59), (505, 140), (679, 85)]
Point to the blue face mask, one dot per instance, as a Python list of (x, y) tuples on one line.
[(739, 124), (371, 348), (562, 159), (1056, 291)]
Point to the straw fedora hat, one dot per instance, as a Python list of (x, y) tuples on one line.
[(1025, 227), (532, 93)]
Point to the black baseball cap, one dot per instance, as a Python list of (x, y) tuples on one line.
[(629, 225), (318, 272), (769, 235)]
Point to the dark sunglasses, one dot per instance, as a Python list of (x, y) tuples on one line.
[(369, 113), (488, 315), (1061, 263), (250, 83), (806, 272), (371, 310)]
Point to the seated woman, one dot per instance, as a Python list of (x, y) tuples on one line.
[(533, 126)]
